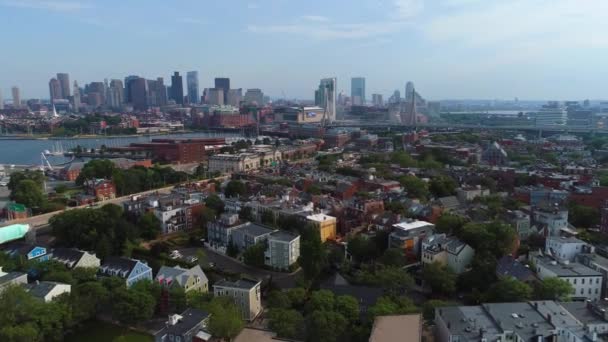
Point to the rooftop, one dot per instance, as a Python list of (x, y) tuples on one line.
[(413, 225), (254, 229), (571, 269), (404, 328), (244, 284), (282, 235), (320, 217)]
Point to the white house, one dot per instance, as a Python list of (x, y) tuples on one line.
[(448, 251), (283, 249), (48, 290), (565, 248)]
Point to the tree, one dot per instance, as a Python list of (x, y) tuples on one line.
[(215, 203), (16, 178), (313, 257), (87, 300), (442, 186), (348, 307), (297, 296), (132, 305), (428, 308), (225, 321), (254, 255), (553, 288), (394, 279), (287, 323), (279, 299), (508, 289), (439, 277), (325, 326), (96, 168), (392, 306), (149, 226), (414, 186), (232, 250), (29, 193), (361, 248), (235, 188), (582, 216), (450, 224), (393, 257), (177, 299), (403, 159), (322, 300)]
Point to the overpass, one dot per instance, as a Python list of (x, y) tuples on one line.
[(398, 126)]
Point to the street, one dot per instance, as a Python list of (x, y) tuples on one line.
[(222, 262)]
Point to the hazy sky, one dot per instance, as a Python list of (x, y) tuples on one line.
[(532, 49)]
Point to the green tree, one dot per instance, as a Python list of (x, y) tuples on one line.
[(132, 305), (348, 307), (297, 296), (149, 226), (439, 277), (392, 306), (442, 186), (279, 299), (215, 203), (403, 159), (414, 186), (96, 168), (235, 188), (177, 299), (16, 178), (287, 323), (29, 193), (313, 256), (553, 288), (393, 257), (361, 248), (450, 224), (322, 300), (394, 279), (225, 321), (87, 300), (325, 326), (508, 289), (582, 216), (254, 255)]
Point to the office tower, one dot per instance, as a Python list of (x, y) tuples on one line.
[(409, 91), (76, 99), (235, 96), (157, 92), (395, 98), (177, 88), (97, 88), (192, 83), (224, 84), (94, 99), (139, 93), (55, 90), (1, 100), (117, 92), (325, 97), (254, 96), (551, 114), (16, 97), (377, 100), (357, 91), (127, 87), (215, 96), (64, 82)]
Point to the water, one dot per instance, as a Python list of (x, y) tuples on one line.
[(27, 152)]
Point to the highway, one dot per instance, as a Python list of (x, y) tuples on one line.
[(40, 221)]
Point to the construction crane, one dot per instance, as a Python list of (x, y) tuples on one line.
[(44, 163)]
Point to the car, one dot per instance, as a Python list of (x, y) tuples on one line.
[(191, 259)]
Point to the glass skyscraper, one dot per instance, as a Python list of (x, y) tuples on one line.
[(357, 91), (192, 84)]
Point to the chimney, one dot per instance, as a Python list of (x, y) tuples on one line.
[(549, 318)]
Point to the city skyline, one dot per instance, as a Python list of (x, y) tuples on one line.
[(553, 52)]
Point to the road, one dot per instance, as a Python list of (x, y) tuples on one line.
[(282, 280), (40, 221)]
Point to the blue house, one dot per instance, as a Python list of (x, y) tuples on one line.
[(131, 270), (29, 252)]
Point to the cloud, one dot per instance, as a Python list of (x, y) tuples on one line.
[(55, 6), (317, 18), (190, 20)]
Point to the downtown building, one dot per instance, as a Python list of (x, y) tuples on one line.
[(192, 87), (326, 97), (357, 92)]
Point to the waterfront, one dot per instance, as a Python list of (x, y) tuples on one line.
[(27, 152)]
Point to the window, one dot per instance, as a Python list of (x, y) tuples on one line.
[(574, 281), (583, 281)]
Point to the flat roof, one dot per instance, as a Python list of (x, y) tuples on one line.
[(403, 328), (412, 225), (572, 269), (320, 217)]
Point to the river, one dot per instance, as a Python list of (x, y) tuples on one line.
[(27, 152)]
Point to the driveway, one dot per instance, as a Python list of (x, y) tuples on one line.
[(222, 262)]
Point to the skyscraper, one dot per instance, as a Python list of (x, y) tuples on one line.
[(357, 91), (235, 96), (55, 92), (177, 88), (64, 82), (139, 93), (224, 84), (16, 97), (254, 96), (97, 88), (377, 100), (76, 99), (215, 96), (192, 83), (116, 93), (128, 98), (1, 101), (325, 97), (409, 91)]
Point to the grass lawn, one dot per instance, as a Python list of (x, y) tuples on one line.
[(98, 331)]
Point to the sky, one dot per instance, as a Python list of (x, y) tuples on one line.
[(456, 49)]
